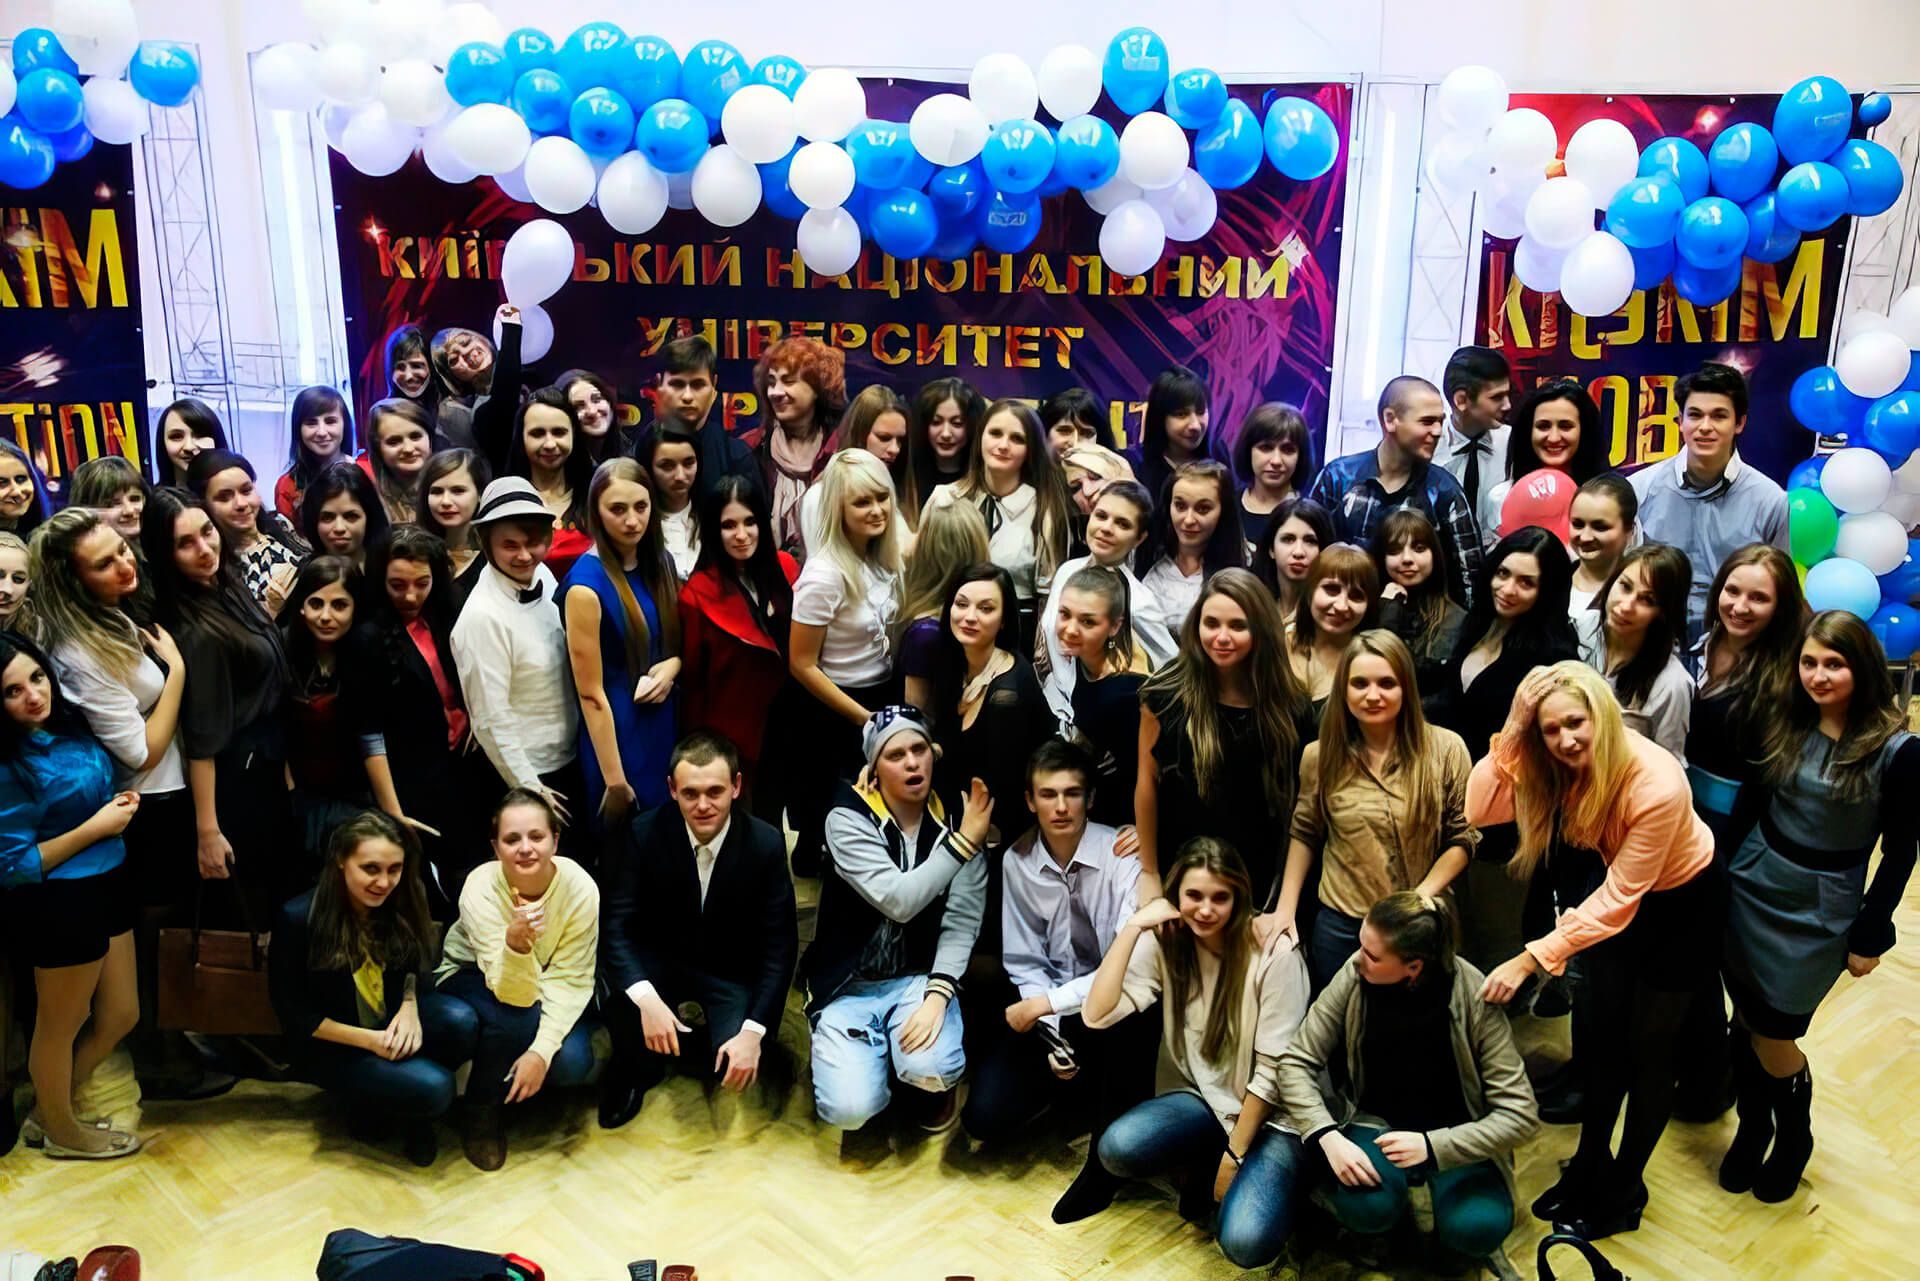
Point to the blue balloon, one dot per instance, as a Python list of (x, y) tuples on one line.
[(1742, 161), (1820, 402), (71, 145), (1806, 473), (904, 223), (37, 47), (163, 72), (1713, 232), (1018, 156), (1838, 583), (1892, 428), (1227, 153), (1874, 109), (649, 72), (1897, 624), (602, 122), (49, 101), (590, 57), (1912, 380), (1812, 119), (713, 70), (1680, 161), (1652, 265), (26, 155), (1196, 97), (919, 173), (958, 236), (1087, 152), (544, 100), (1008, 223), (776, 191), (477, 73), (956, 191), (527, 48), (1054, 185), (1901, 584), (780, 71), (1768, 238), (1646, 211), (1706, 286), (882, 154), (1300, 137), (1811, 197), (1135, 70), (672, 135), (1872, 173), (860, 206)]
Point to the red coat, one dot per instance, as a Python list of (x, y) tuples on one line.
[(730, 670)]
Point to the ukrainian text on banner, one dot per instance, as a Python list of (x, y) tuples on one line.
[(73, 376), (1250, 305), (1778, 324)]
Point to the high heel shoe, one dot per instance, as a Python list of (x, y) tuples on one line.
[(1605, 1221), (1779, 1175)]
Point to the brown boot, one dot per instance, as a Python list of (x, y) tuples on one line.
[(483, 1136)]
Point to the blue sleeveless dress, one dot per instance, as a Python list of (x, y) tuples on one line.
[(644, 731)]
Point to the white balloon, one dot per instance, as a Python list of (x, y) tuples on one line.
[(9, 87), (513, 183), (1862, 321), (285, 77), (633, 194), (1472, 98), (559, 174), (375, 143), (1069, 81), (114, 112), (489, 138), (333, 123), (1132, 238), (442, 163), (1188, 208), (1907, 476), (680, 190), (348, 75), (828, 240), (1905, 314), (1873, 364), (99, 35), (1522, 140), (538, 260), (1153, 151), (1538, 266), (1506, 215), (821, 174), (1003, 87), (1876, 539), (400, 27), (1597, 278), (1458, 163), (1111, 194), (1856, 480), (1903, 507), (465, 23), (1560, 213), (760, 123), (414, 92), (947, 129), (1603, 155), (726, 186), (536, 332), (829, 105)]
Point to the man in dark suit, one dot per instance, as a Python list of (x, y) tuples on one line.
[(699, 925)]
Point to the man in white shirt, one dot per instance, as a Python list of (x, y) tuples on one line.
[(510, 648), (1065, 895), (1479, 390)]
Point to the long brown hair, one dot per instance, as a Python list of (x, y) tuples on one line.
[(856, 424), (1052, 509), (1764, 670), (1428, 601), (951, 537), (654, 567), (1353, 568), (396, 495), (399, 933), (1343, 746), (1669, 575), (66, 609), (1179, 952), (1872, 717)]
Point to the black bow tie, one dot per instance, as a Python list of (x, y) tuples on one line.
[(1475, 445), (528, 595)]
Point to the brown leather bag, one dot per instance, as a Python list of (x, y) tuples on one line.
[(215, 981)]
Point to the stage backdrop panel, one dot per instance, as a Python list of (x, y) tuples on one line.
[(1250, 306), (1777, 325), (73, 374)]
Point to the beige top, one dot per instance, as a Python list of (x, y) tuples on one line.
[(1358, 831)]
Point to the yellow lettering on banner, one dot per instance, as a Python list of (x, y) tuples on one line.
[(887, 282), (954, 284), (7, 298), (1179, 273), (89, 436), (761, 334), (1274, 276), (102, 260), (654, 334), (637, 268), (1063, 337), (891, 329), (847, 335), (937, 346), (593, 270), (1119, 286), (1023, 346), (1579, 342), (720, 265), (1519, 332), (20, 411), (1224, 278), (980, 334), (814, 329), (1614, 395), (1659, 416), (997, 268), (781, 263), (1039, 275), (1802, 291), (1689, 318), (672, 264), (1636, 316), (393, 257), (1093, 269), (470, 258)]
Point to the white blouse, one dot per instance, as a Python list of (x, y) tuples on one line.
[(1177, 593), (116, 711), (854, 650), (680, 532), (1013, 543)]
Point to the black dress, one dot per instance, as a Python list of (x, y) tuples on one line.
[(1430, 653), (1106, 714), (1013, 719)]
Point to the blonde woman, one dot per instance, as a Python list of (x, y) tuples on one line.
[(1383, 802), (844, 604), (952, 536), (1569, 773)]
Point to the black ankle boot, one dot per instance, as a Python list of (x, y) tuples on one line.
[(1754, 1102), (1092, 1191), (1612, 1211), (1779, 1175)]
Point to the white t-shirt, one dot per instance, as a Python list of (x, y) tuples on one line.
[(854, 649), (681, 534)]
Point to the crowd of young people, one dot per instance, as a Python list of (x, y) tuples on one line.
[(497, 721)]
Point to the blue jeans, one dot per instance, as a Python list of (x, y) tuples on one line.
[(856, 1050), (506, 1032), (1335, 938), (420, 1087), (1472, 1209), (1177, 1131)]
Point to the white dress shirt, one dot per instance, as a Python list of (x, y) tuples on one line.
[(512, 659), (1014, 542), (681, 534), (1036, 907), (1451, 453)]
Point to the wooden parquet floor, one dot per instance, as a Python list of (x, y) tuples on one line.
[(248, 1186)]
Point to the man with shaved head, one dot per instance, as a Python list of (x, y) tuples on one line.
[(1359, 490)]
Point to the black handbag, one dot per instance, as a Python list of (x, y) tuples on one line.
[(1602, 1270)]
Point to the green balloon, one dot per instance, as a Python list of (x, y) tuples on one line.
[(1812, 526)]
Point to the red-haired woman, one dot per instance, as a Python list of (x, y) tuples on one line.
[(802, 385)]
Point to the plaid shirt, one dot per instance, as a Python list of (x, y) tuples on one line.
[(1349, 488)]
